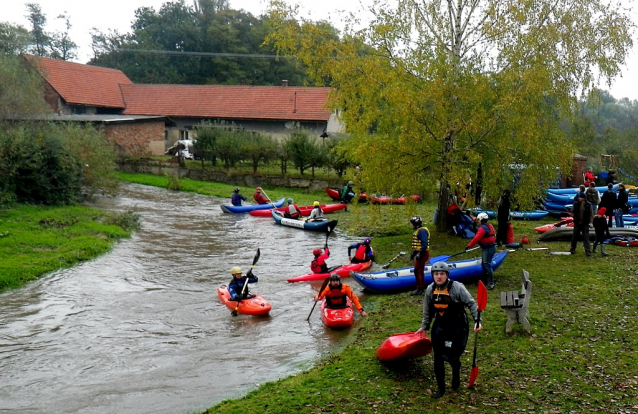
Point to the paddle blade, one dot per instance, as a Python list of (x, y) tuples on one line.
[(256, 258), (473, 376), (442, 258), (481, 296)]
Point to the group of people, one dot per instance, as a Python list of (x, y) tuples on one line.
[(291, 210)]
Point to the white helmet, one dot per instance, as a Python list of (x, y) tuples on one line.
[(482, 216)]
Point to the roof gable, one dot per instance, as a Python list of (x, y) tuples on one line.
[(80, 84), (228, 102)]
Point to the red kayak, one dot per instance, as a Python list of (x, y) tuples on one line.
[(305, 210), (564, 222), (393, 200), (255, 306), (334, 194), (403, 346), (343, 271), (337, 318)]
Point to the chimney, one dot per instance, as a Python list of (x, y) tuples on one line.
[(284, 83)]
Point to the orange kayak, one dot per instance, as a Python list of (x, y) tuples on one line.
[(254, 306), (337, 318), (403, 346), (565, 222)]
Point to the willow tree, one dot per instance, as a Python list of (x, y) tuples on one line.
[(432, 88)]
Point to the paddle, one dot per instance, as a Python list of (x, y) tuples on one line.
[(271, 202), (234, 312), (481, 301), (385, 266), (445, 258), (325, 282)]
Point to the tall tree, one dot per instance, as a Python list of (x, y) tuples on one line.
[(62, 47), (14, 39), (449, 84), (38, 20)]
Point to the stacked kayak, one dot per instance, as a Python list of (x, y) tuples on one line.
[(575, 190), (302, 224), (343, 271), (518, 215), (393, 200), (404, 346), (565, 222), (403, 279), (256, 305), (337, 318), (305, 210), (334, 194), (565, 233), (252, 207), (561, 200)]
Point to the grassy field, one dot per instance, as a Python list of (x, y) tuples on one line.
[(37, 240), (581, 356)]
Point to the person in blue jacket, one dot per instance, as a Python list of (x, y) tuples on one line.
[(236, 199), (236, 286), (362, 252)]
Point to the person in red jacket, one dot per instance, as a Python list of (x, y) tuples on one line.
[(486, 238), (292, 211), (589, 177), (318, 264), (337, 295), (259, 196), (362, 252)]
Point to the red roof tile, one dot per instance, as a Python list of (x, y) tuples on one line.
[(83, 84), (220, 101)]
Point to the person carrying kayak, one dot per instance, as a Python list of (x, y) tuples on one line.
[(362, 252), (317, 213), (445, 302), (420, 252), (486, 238), (236, 199), (337, 295), (318, 264), (259, 196), (292, 211), (236, 286)]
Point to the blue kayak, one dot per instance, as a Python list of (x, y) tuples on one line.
[(518, 215), (403, 279), (250, 207), (572, 191), (302, 224)]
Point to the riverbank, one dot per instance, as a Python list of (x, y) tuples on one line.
[(580, 357), (35, 241)]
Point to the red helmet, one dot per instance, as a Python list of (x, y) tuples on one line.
[(316, 252), (258, 189), (525, 240)]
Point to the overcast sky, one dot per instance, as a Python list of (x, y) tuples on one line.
[(108, 15)]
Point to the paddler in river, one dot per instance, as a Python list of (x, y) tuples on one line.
[(317, 213), (292, 211), (362, 252), (236, 286), (420, 252), (259, 196), (445, 302), (318, 264), (236, 199), (337, 294)]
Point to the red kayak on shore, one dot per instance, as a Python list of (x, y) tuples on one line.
[(305, 210), (256, 306), (564, 222), (393, 200), (334, 194), (403, 346), (337, 318), (343, 271)]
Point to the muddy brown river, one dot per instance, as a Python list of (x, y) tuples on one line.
[(141, 330)]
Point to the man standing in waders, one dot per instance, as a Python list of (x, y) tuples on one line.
[(445, 302), (420, 252), (486, 238)]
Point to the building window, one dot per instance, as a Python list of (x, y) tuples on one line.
[(183, 134)]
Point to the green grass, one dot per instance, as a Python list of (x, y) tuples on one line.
[(37, 240), (581, 356)]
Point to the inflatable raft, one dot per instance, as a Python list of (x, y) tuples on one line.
[(303, 224), (565, 233), (247, 208), (305, 210)]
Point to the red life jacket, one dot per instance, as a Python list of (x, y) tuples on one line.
[(490, 235), (361, 252), (318, 265), (336, 299)]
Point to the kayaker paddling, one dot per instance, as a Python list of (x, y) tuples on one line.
[(237, 288), (337, 295)]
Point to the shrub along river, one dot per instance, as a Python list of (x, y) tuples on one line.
[(141, 330)]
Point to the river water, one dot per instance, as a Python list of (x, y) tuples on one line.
[(141, 330)]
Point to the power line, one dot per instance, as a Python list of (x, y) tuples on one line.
[(184, 53)]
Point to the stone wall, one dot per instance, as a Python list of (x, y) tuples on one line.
[(138, 138), (154, 167)]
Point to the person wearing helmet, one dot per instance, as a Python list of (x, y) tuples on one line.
[(236, 286), (236, 199), (316, 214), (362, 252), (420, 252), (337, 295), (260, 197), (444, 304), (292, 211), (318, 264), (347, 193), (486, 238)]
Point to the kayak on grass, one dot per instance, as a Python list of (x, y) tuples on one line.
[(403, 279), (257, 305), (404, 346), (303, 224), (393, 200), (252, 207), (517, 215), (343, 271), (564, 222), (305, 210), (565, 233), (334, 194), (337, 318)]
